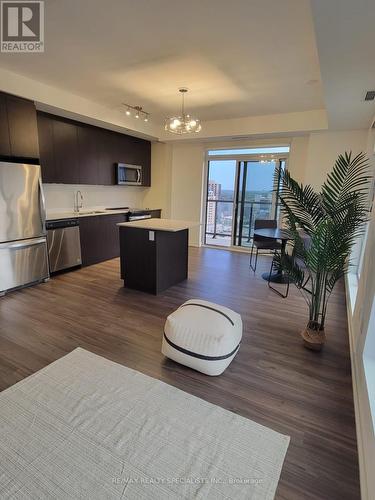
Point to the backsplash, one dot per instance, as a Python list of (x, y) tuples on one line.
[(60, 197)]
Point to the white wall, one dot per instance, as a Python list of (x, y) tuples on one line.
[(324, 148), (284, 123), (312, 156), (298, 157), (187, 185), (159, 196), (178, 168), (60, 197)]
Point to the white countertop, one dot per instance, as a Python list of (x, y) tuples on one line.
[(170, 225), (84, 213), (88, 213)]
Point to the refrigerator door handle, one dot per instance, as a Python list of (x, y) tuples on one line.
[(22, 243), (42, 205)]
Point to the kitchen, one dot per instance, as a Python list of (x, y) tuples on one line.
[(63, 214)]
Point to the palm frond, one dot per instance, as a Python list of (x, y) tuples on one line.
[(332, 219), (302, 201), (349, 177)]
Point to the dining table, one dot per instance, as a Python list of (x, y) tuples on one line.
[(275, 234)]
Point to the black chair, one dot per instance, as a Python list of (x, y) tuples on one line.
[(307, 243), (275, 266), (261, 243)]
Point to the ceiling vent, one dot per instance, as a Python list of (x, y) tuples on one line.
[(370, 95)]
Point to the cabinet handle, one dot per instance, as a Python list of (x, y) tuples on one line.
[(42, 205), (22, 243)]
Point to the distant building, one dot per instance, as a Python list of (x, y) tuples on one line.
[(214, 193), (214, 190)]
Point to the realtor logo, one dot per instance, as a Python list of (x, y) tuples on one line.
[(22, 26)]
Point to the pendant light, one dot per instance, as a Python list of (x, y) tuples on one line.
[(183, 124)]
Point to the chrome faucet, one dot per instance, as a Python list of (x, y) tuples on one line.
[(78, 201)]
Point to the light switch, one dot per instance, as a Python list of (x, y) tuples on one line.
[(151, 235)]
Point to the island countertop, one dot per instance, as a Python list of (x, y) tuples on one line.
[(170, 225)]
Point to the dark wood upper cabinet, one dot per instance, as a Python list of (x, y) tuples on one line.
[(135, 151), (46, 148), (88, 155), (69, 152), (18, 128), (146, 163), (76, 153), (106, 164), (65, 142), (4, 128), (23, 129)]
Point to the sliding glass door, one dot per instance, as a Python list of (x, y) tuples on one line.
[(221, 188), (238, 193), (256, 197)]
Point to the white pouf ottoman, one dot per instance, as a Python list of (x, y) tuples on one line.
[(202, 335)]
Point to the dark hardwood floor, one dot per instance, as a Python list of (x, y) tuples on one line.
[(273, 380)]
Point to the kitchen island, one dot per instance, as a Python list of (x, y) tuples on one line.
[(154, 253)]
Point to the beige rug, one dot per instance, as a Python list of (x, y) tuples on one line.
[(85, 427)]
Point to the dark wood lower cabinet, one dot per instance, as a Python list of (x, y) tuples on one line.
[(100, 238), (154, 264)]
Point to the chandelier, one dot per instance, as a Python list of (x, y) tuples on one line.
[(183, 124)]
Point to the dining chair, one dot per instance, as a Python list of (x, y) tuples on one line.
[(262, 243), (275, 266), (307, 243)]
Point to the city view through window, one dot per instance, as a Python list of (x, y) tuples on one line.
[(230, 218)]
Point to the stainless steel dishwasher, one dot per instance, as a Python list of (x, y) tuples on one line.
[(64, 246)]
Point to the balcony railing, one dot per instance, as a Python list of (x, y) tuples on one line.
[(222, 226)]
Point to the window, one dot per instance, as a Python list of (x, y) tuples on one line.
[(249, 151), (369, 360)]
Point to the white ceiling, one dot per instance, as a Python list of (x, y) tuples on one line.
[(238, 58), (345, 32)]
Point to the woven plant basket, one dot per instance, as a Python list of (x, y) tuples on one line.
[(313, 339)]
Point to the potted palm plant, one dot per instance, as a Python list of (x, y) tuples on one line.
[(323, 227)]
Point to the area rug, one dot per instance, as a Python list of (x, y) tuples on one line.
[(85, 427)]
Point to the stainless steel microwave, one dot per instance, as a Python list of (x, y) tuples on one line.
[(129, 175)]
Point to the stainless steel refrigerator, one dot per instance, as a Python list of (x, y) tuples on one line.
[(23, 246)]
